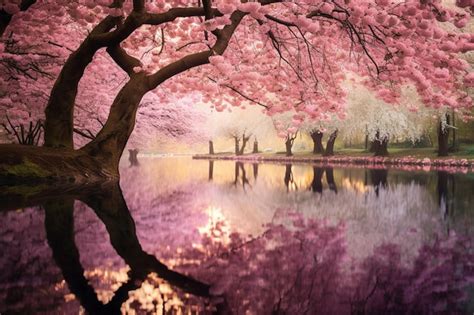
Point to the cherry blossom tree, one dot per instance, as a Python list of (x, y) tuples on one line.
[(378, 121), (281, 56)]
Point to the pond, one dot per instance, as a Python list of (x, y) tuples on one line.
[(187, 236)]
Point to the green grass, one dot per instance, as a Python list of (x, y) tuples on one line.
[(465, 152)]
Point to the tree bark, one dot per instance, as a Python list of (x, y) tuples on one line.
[(110, 142), (317, 137), (443, 138), (330, 144), (211, 147)]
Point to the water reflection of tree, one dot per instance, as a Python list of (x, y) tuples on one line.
[(132, 157), (446, 189), (317, 182), (379, 179), (240, 175), (289, 179), (211, 170), (255, 171), (112, 210), (304, 271)]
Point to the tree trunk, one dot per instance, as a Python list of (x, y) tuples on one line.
[(236, 145), (443, 138), (317, 137), (289, 146), (255, 146), (211, 147), (59, 113), (330, 144), (244, 144), (379, 145), (110, 142)]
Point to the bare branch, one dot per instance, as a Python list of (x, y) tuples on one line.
[(241, 94), (87, 135)]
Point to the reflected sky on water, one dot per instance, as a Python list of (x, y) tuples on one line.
[(222, 236)]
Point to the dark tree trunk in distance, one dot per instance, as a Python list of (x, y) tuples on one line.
[(211, 147), (245, 139), (255, 146), (330, 145), (237, 140), (317, 137), (379, 145), (289, 141), (443, 138)]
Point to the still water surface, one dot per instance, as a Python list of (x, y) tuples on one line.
[(183, 236)]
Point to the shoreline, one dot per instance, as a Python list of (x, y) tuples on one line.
[(404, 163)]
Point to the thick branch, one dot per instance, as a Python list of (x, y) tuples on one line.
[(207, 9), (197, 59), (123, 59), (138, 5), (137, 19)]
